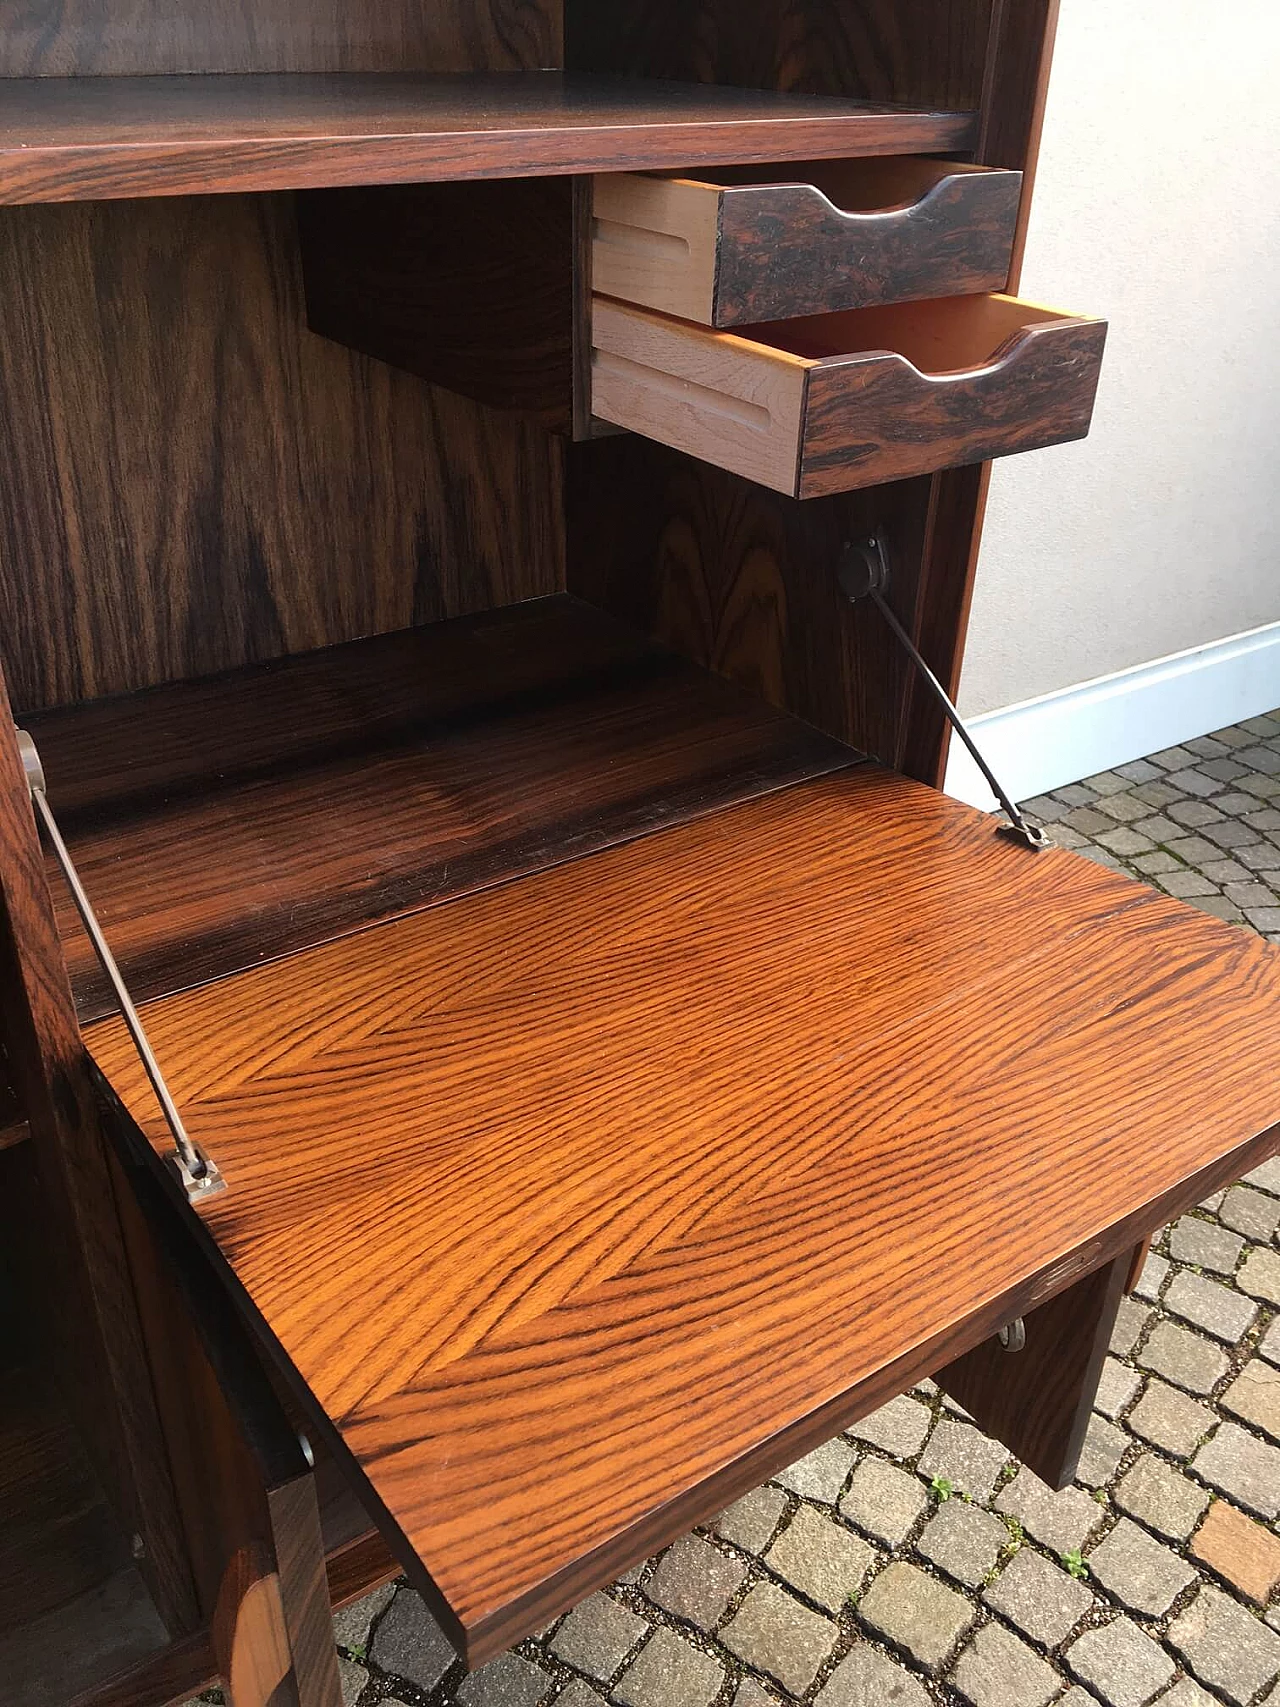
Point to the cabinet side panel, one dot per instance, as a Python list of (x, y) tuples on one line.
[(743, 580), (923, 52), (198, 481), (104, 38)]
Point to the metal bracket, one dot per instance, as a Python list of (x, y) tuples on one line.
[(1013, 1337), (864, 573), (197, 1173)]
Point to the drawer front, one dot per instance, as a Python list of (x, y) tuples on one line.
[(733, 249), (812, 407)]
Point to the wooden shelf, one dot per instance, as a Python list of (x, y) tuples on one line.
[(219, 823), (581, 1205), (90, 139)]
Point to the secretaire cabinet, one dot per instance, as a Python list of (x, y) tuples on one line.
[(563, 1057)]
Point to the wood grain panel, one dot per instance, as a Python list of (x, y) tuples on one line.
[(81, 1292), (917, 51), (566, 1202), (468, 285), (217, 824), (245, 1490), (91, 38), (76, 139), (735, 246), (205, 483), (743, 580), (1038, 1401)]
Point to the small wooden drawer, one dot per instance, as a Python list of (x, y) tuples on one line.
[(811, 407), (731, 247)]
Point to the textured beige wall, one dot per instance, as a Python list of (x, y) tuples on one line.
[(1157, 206)]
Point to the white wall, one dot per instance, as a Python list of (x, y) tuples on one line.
[(1157, 206)]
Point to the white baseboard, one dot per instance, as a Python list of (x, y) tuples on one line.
[(1045, 743)]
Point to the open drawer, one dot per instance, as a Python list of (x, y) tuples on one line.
[(735, 245), (576, 1206), (815, 406)]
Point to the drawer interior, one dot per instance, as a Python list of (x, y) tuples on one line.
[(873, 184), (571, 1202)]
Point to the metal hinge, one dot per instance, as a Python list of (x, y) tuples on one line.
[(864, 573), (197, 1173)]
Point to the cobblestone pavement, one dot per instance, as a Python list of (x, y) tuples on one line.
[(911, 1560)]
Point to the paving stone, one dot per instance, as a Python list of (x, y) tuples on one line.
[(1106, 783), (1100, 1454), (409, 1642), (1155, 1271), (670, 1672), (1267, 819), (1185, 885), (749, 1693), (1172, 758), (1240, 1550), (1183, 1358), (1061, 1521), (1231, 833), (916, 1613), (1044, 808), (964, 1541), (598, 1635), (1194, 850), (1154, 864), (1195, 782), (1123, 1665), (1131, 1318), (1260, 1275), (1193, 814), (1267, 1177), (1260, 856), (1158, 829), (1211, 1306), (1170, 1419), (1263, 918), (1116, 1387), (1088, 820), (968, 1459), (352, 1624), (1075, 794), (694, 1580), (884, 1501), (750, 1522), (822, 1474), (1239, 1464), (999, 1670), (1162, 1498), (1251, 1212), (1226, 1647), (820, 1558), (1195, 1240), (1077, 1697), (1260, 759), (868, 1678), (1043, 1601), (1186, 1692), (1140, 1573), (579, 1693), (1225, 871), (774, 1633), (1269, 1345), (1218, 907), (1221, 768), (1138, 770), (352, 1679), (1125, 842), (1254, 1395), (900, 1427), (1252, 893), (508, 1681)]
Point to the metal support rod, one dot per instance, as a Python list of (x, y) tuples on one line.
[(864, 574), (199, 1175)]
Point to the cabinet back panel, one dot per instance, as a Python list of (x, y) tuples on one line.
[(924, 52), (198, 482), (103, 38)]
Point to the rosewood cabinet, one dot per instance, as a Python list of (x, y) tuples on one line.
[(433, 437)]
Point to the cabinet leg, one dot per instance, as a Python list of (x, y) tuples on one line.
[(1037, 1401)]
